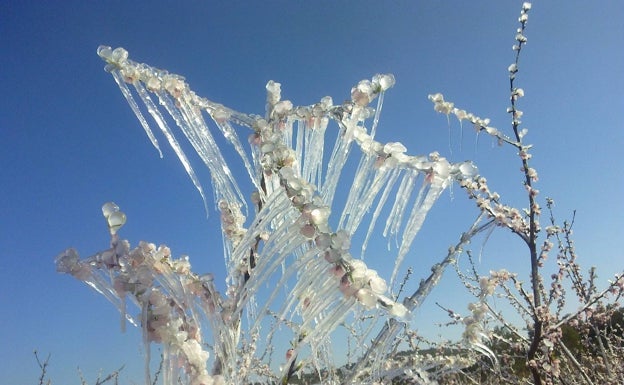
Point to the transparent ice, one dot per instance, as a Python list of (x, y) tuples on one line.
[(289, 273)]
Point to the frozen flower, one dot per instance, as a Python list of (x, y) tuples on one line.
[(398, 310), (119, 55), (492, 131), (174, 86), (460, 114), (323, 241), (394, 147), (366, 298), (69, 262), (376, 283), (130, 74), (521, 38), (436, 98), (337, 271), (383, 82), (220, 115), (340, 240), (523, 132), (153, 84), (444, 107), (345, 286), (439, 105), (308, 231), (524, 155), (357, 271), (282, 108), (362, 94), (487, 286), (326, 102), (274, 92), (105, 52), (468, 170), (319, 215), (441, 169), (194, 352), (182, 266)]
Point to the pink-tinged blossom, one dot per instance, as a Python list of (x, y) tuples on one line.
[(362, 94)]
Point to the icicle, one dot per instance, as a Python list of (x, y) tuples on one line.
[(450, 142), (325, 296), (299, 148), (278, 247), (400, 202), (358, 185), (277, 205), (204, 148), (135, 108), (285, 128), (164, 127), (461, 134), (99, 284), (314, 147), (308, 166), (415, 221), (230, 134), (290, 271), (255, 159), (146, 343), (122, 310), (167, 367), (207, 148), (377, 113), (333, 318), (170, 281), (334, 168), (393, 176), (364, 203)]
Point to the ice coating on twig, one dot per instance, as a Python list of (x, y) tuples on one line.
[(289, 245), (296, 136)]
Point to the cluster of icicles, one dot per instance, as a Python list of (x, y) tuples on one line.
[(289, 242)]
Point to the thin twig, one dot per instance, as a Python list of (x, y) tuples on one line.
[(43, 366)]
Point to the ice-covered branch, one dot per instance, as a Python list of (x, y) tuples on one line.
[(288, 243)]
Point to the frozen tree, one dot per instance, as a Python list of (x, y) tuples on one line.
[(289, 242), (292, 268)]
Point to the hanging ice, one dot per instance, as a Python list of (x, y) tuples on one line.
[(312, 280)]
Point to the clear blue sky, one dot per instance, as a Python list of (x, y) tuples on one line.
[(70, 142)]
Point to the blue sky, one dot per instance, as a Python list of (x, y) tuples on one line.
[(71, 143)]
